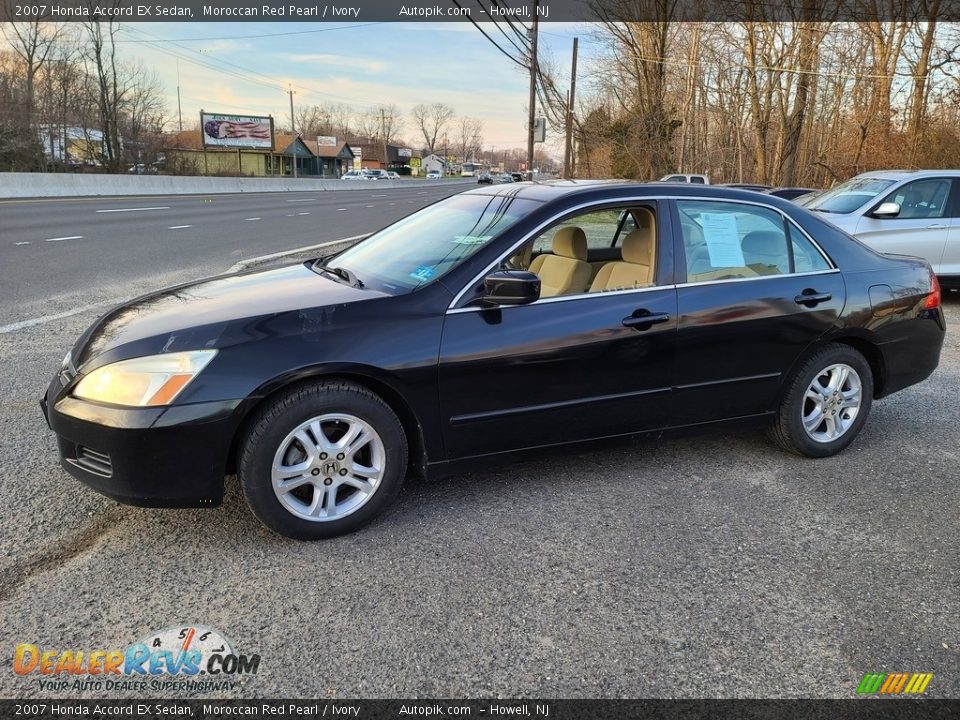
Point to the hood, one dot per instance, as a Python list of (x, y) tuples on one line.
[(211, 313)]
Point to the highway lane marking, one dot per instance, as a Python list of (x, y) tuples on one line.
[(67, 237), (369, 205), (307, 200), (378, 196), (165, 207), (339, 209), (250, 219), (179, 227), (13, 327), (303, 213), (25, 242)]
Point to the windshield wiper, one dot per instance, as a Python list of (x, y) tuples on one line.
[(339, 272)]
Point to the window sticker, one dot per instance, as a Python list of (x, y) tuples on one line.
[(723, 240), (424, 273)]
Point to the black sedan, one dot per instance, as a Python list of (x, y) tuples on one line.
[(498, 321)]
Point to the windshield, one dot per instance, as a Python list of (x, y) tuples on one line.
[(847, 197), (430, 243)]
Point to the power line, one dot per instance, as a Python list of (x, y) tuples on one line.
[(492, 41)]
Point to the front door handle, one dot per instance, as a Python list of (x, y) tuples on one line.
[(811, 298), (644, 319), (935, 226)]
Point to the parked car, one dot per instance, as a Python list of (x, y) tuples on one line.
[(566, 313), (686, 178), (393, 175), (353, 175), (802, 200), (375, 174), (506, 177), (901, 211), (433, 175), (790, 193), (517, 177), (484, 179)]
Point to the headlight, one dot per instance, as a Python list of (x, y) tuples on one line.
[(145, 381)]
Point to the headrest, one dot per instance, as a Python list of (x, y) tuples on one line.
[(570, 242), (638, 245), (763, 242)]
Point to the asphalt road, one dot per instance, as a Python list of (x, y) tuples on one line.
[(79, 250), (703, 567)]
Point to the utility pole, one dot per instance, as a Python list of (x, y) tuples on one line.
[(383, 135), (293, 131), (179, 111), (571, 98), (533, 89)]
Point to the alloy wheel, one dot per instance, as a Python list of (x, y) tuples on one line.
[(831, 403), (328, 467)]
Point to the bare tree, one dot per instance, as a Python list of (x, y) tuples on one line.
[(468, 138), (32, 42), (431, 120)]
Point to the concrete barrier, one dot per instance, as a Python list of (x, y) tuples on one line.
[(39, 185)]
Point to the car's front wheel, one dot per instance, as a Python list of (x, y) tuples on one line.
[(826, 403), (322, 460)]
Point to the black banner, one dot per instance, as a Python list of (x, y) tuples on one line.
[(865, 709), (523, 11)]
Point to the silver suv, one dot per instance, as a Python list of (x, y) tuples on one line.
[(910, 212)]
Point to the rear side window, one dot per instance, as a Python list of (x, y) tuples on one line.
[(697, 180), (725, 241)]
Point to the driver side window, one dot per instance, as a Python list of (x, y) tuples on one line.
[(596, 251), (921, 199)]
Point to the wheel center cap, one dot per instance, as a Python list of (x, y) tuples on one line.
[(330, 467)]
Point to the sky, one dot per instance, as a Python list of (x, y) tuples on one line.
[(358, 65)]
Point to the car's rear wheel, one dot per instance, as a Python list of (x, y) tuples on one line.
[(826, 403), (322, 460)]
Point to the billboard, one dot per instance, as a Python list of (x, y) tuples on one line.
[(405, 152), (236, 131), (326, 141)]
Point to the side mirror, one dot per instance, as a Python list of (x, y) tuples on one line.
[(511, 287), (887, 209)]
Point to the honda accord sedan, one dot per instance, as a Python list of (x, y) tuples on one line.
[(495, 322)]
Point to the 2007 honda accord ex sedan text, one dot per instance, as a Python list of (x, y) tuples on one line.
[(500, 320)]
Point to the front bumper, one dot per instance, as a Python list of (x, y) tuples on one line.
[(152, 457)]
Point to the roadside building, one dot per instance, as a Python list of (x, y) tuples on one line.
[(399, 158), (434, 162), (331, 160), (185, 151), (72, 146)]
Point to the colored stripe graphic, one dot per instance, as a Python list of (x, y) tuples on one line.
[(894, 683)]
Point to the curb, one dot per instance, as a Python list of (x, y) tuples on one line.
[(306, 250)]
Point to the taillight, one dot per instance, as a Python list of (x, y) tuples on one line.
[(933, 299)]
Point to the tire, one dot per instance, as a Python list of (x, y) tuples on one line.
[(299, 484), (796, 428)]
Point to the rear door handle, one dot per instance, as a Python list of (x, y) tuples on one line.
[(935, 226), (643, 319), (811, 298)]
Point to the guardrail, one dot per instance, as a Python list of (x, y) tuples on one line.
[(40, 185)]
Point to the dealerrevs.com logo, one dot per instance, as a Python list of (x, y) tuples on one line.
[(189, 658)]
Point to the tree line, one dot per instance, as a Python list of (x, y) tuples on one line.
[(55, 77), (783, 103)]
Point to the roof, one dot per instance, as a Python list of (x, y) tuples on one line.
[(904, 174), (594, 189), (327, 151)]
